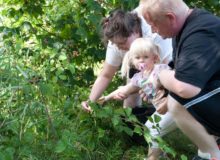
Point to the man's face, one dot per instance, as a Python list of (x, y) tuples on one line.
[(162, 26)]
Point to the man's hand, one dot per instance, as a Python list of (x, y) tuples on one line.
[(86, 106), (162, 107)]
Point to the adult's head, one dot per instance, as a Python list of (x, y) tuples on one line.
[(166, 17), (121, 28)]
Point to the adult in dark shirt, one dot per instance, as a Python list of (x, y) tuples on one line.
[(194, 83)]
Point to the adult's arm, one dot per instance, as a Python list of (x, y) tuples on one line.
[(182, 89), (100, 84), (102, 81)]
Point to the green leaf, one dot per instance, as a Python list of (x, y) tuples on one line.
[(147, 136), (81, 32), (119, 111), (94, 19), (115, 120), (101, 132), (18, 45), (157, 118), (29, 137), (27, 89), (128, 130), (132, 118), (60, 147), (63, 77), (108, 110), (91, 143), (57, 45), (52, 69), (45, 89), (59, 71), (71, 68), (150, 119), (9, 153), (128, 111), (138, 130), (53, 53), (102, 114), (2, 155), (54, 79), (183, 157), (26, 26), (62, 57)]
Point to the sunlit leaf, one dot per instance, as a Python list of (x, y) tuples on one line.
[(60, 147)]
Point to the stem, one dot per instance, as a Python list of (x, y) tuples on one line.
[(48, 116)]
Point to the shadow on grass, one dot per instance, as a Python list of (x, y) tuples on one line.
[(181, 144)]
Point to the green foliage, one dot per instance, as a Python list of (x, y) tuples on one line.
[(48, 52), (212, 6)]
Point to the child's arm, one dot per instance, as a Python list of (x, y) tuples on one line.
[(126, 90)]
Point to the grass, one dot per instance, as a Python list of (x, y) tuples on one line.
[(181, 144)]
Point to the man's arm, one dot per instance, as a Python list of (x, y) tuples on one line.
[(182, 89)]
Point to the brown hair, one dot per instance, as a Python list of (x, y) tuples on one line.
[(120, 24)]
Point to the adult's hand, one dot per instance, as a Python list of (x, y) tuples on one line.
[(162, 108), (86, 106), (144, 96), (160, 102)]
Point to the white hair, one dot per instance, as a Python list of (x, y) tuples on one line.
[(158, 8)]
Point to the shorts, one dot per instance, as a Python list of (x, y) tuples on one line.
[(205, 107)]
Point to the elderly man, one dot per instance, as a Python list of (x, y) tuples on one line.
[(194, 83)]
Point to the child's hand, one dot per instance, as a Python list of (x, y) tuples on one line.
[(101, 100)]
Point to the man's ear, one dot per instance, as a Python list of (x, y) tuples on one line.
[(147, 17), (171, 17)]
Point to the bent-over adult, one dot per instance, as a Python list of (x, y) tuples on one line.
[(194, 84)]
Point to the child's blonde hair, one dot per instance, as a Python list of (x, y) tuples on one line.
[(139, 47)]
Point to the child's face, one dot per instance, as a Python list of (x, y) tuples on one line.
[(148, 59)]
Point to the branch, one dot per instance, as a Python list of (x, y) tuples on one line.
[(48, 116)]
